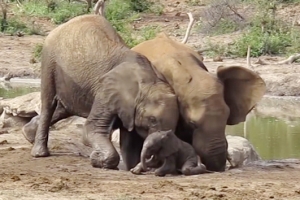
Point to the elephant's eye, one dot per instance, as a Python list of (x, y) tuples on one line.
[(153, 121)]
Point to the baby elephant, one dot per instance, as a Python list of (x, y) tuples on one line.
[(169, 155)]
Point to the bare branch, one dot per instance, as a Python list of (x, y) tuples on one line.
[(192, 20), (235, 12), (248, 59), (99, 7), (248, 56), (19, 4), (290, 60)]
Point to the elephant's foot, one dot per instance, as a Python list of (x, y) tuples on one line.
[(29, 129), (194, 170), (158, 172), (39, 150), (102, 160), (137, 169), (28, 135)]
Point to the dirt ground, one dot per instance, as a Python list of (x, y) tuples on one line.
[(68, 174)]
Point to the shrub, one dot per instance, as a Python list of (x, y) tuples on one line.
[(120, 13), (58, 11), (37, 51), (222, 16), (266, 34)]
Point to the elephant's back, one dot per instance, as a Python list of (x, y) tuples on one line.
[(86, 41), (163, 45)]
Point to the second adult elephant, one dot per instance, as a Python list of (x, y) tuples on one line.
[(87, 70), (207, 102)]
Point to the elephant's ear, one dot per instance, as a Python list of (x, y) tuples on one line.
[(170, 143), (243, 88)]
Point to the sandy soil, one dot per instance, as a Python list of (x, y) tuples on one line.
[(67, 174)]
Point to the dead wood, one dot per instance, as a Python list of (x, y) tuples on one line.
[(188, 30)]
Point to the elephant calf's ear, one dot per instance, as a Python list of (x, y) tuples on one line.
[(243, 88)]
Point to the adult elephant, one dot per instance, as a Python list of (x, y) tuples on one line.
[(88, 71), (207, 102)]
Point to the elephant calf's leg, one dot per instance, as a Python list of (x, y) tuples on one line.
[(138, 169), (168, 167), (188, 169), (29, 129)]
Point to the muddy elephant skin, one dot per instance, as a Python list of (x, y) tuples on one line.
[(88, 71)]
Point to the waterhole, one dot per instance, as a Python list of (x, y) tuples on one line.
[(273, 127)]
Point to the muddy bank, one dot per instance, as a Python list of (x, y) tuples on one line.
[(67, 174)]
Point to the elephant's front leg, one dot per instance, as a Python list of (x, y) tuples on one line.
[(168, 167), (131, 145), (97, 129), (153, 162)]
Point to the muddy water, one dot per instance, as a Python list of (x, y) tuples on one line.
[(273, 127), (272, 138), (13, 90)]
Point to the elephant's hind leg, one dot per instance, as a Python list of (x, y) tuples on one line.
[(29, 129), (188, 169), (48, 105), (168, 167), (131, 145)]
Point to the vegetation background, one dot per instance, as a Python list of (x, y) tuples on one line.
[(256, 21)]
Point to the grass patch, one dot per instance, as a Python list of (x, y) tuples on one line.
[(58, 11), (37, 51), (121, 13), (266, 33), (14, 25)]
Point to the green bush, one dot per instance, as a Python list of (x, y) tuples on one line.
[(262, 43), (121, 13), (14, 25), (266, 34), (140, 6), (225, 26), (37, 51), (58, 11)]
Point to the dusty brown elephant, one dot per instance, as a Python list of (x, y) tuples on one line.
[(88, 71), (207, 102)]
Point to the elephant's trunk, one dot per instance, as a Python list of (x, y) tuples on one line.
[(213, 152), (216, 163), (143, 158)]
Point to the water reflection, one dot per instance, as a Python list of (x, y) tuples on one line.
[(274, 137)]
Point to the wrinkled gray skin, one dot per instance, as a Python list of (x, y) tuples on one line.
[(88, 71), (174, 154), (208, 102)]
